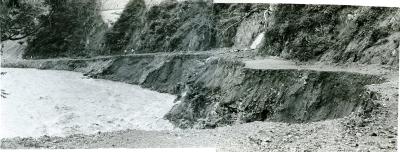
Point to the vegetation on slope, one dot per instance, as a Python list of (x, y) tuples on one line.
[(175, 26), (69, 30), (118, 37), (336, 34), (18, 19), (333, 33), (165, 28)]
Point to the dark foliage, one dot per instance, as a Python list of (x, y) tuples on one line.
[(171, 26), (65, 31), (130, 21), (18, 19), (306, 32)]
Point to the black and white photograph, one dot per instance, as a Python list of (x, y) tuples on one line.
[(199, 75)]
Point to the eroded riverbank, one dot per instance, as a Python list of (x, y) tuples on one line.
[(208, 79)]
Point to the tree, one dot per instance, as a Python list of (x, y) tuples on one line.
[(18, 19), (66, 29)]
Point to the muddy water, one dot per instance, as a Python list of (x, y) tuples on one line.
[(60, 103)]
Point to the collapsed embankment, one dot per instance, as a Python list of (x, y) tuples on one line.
[(227, 93), (213, 91)]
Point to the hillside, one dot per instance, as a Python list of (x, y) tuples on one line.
[(302, 32), (333, 34), (70, 29)]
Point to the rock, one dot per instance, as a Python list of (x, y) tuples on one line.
[(385, 146), (268, 139), (262, 131), (391, 136), (354, 145)]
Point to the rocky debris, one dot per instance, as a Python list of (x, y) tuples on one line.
[(262, 137), (376, 130), (256, 136)]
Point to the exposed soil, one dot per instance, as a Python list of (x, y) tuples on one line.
[(369, 123)]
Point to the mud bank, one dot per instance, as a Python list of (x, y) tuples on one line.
[(213, 91)]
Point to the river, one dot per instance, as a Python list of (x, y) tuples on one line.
[(61, 103)]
